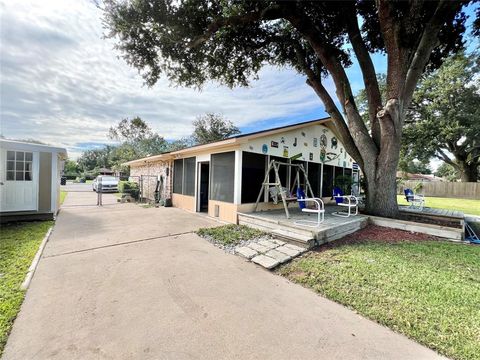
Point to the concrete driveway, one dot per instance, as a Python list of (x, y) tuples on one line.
[(126, 282)]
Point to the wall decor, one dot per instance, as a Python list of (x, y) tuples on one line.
[(341, 150), (322, 154), (330, 156), (334, 142), (295, 157), (344, 164), (274, 144), (305, 144), (264, 148), (250, 147), (285, 151), (295, 142), (315, 142), (310, 156), (303, 134), (323, 140), (282, 140)]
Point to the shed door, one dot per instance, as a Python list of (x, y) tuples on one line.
[(18, 180)]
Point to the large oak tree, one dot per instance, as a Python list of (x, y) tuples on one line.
[(193, 41)]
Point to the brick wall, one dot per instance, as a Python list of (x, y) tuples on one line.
[(150, 172)]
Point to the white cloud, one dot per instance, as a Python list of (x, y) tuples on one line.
[(63, 84)]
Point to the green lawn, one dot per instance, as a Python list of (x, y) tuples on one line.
[(18, 245), (63, 195), (429, 291), (230, 234), (468, 206)]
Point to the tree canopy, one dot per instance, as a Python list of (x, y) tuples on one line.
[(444, 119), (212, 127), (191, 42)]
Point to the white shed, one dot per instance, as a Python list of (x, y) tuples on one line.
[(29, 179)]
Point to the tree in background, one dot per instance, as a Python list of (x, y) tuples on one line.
[(212, 127), (409, 166), (447, 172), (194, 41), (444, 120)]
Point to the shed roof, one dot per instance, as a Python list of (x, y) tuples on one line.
[(22, 145)]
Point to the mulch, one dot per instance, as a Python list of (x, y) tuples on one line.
[(373, 233)]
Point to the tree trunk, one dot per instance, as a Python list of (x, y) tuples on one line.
[(468, 172)]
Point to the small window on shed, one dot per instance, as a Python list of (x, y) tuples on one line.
[(19, 166)]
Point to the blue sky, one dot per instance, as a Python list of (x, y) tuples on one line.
[(63, 84)]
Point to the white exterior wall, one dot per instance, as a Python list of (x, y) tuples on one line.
[(308, 141)]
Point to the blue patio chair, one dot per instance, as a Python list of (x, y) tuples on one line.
[(348, 201), (414, 200), (319, 209)]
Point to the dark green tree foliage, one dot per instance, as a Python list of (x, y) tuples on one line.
[(212, 127), (447, 171), (444, 120), (193, 41)]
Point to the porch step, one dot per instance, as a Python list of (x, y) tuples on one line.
[(294, 236)]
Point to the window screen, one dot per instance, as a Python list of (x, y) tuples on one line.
[(189, 176), (177, 176), (222, 176), (338, 172), (282, 171), (293, 174), (347, 172), (327, 186), (253, 174), (19, 166), (314, 177)]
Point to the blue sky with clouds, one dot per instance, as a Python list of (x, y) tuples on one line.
[(63, 84)]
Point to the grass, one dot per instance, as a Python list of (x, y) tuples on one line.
[(18, 244), (468, 206), (63, 195), (230, 234), (428, 290)]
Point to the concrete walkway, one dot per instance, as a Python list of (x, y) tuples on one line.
[(126, 282)]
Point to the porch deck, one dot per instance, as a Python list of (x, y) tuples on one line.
[(275, 222)]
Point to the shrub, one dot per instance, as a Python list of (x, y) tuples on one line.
[(129, 187)]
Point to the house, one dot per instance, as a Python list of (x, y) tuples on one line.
[(29, 180), (225, 177)]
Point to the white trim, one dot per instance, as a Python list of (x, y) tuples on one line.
[(237, 182), (54, 182), (22, 146)]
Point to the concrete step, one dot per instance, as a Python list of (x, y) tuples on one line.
[(288, 234), (272, 224)]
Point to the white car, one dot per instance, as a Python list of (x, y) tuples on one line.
[(108, 183)]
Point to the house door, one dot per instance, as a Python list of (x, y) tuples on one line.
[(204, 169), (18, 180)]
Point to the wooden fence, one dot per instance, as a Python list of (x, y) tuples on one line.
[(465, 190)]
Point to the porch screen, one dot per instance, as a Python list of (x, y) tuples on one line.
[(189, 176), (314, 177), (222, 176), (253, 173), (282, 171), (338, 172), (327, 185), (177, 176)]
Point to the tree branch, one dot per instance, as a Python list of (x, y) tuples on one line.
[(445, 11), (368, 71), (269, 13)]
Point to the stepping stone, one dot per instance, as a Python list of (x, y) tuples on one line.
[(279, 256), (288, 251), (246, 252), (265, 261), (295, 247), (268, 244), (279, 242), (259, 248)]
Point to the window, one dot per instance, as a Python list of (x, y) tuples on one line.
[(19, 166), (253, 174), (177, 176), (184, 176), (189, 176), (222, 176)]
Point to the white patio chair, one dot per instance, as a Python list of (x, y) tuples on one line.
[(319, 210), (348, 201)]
